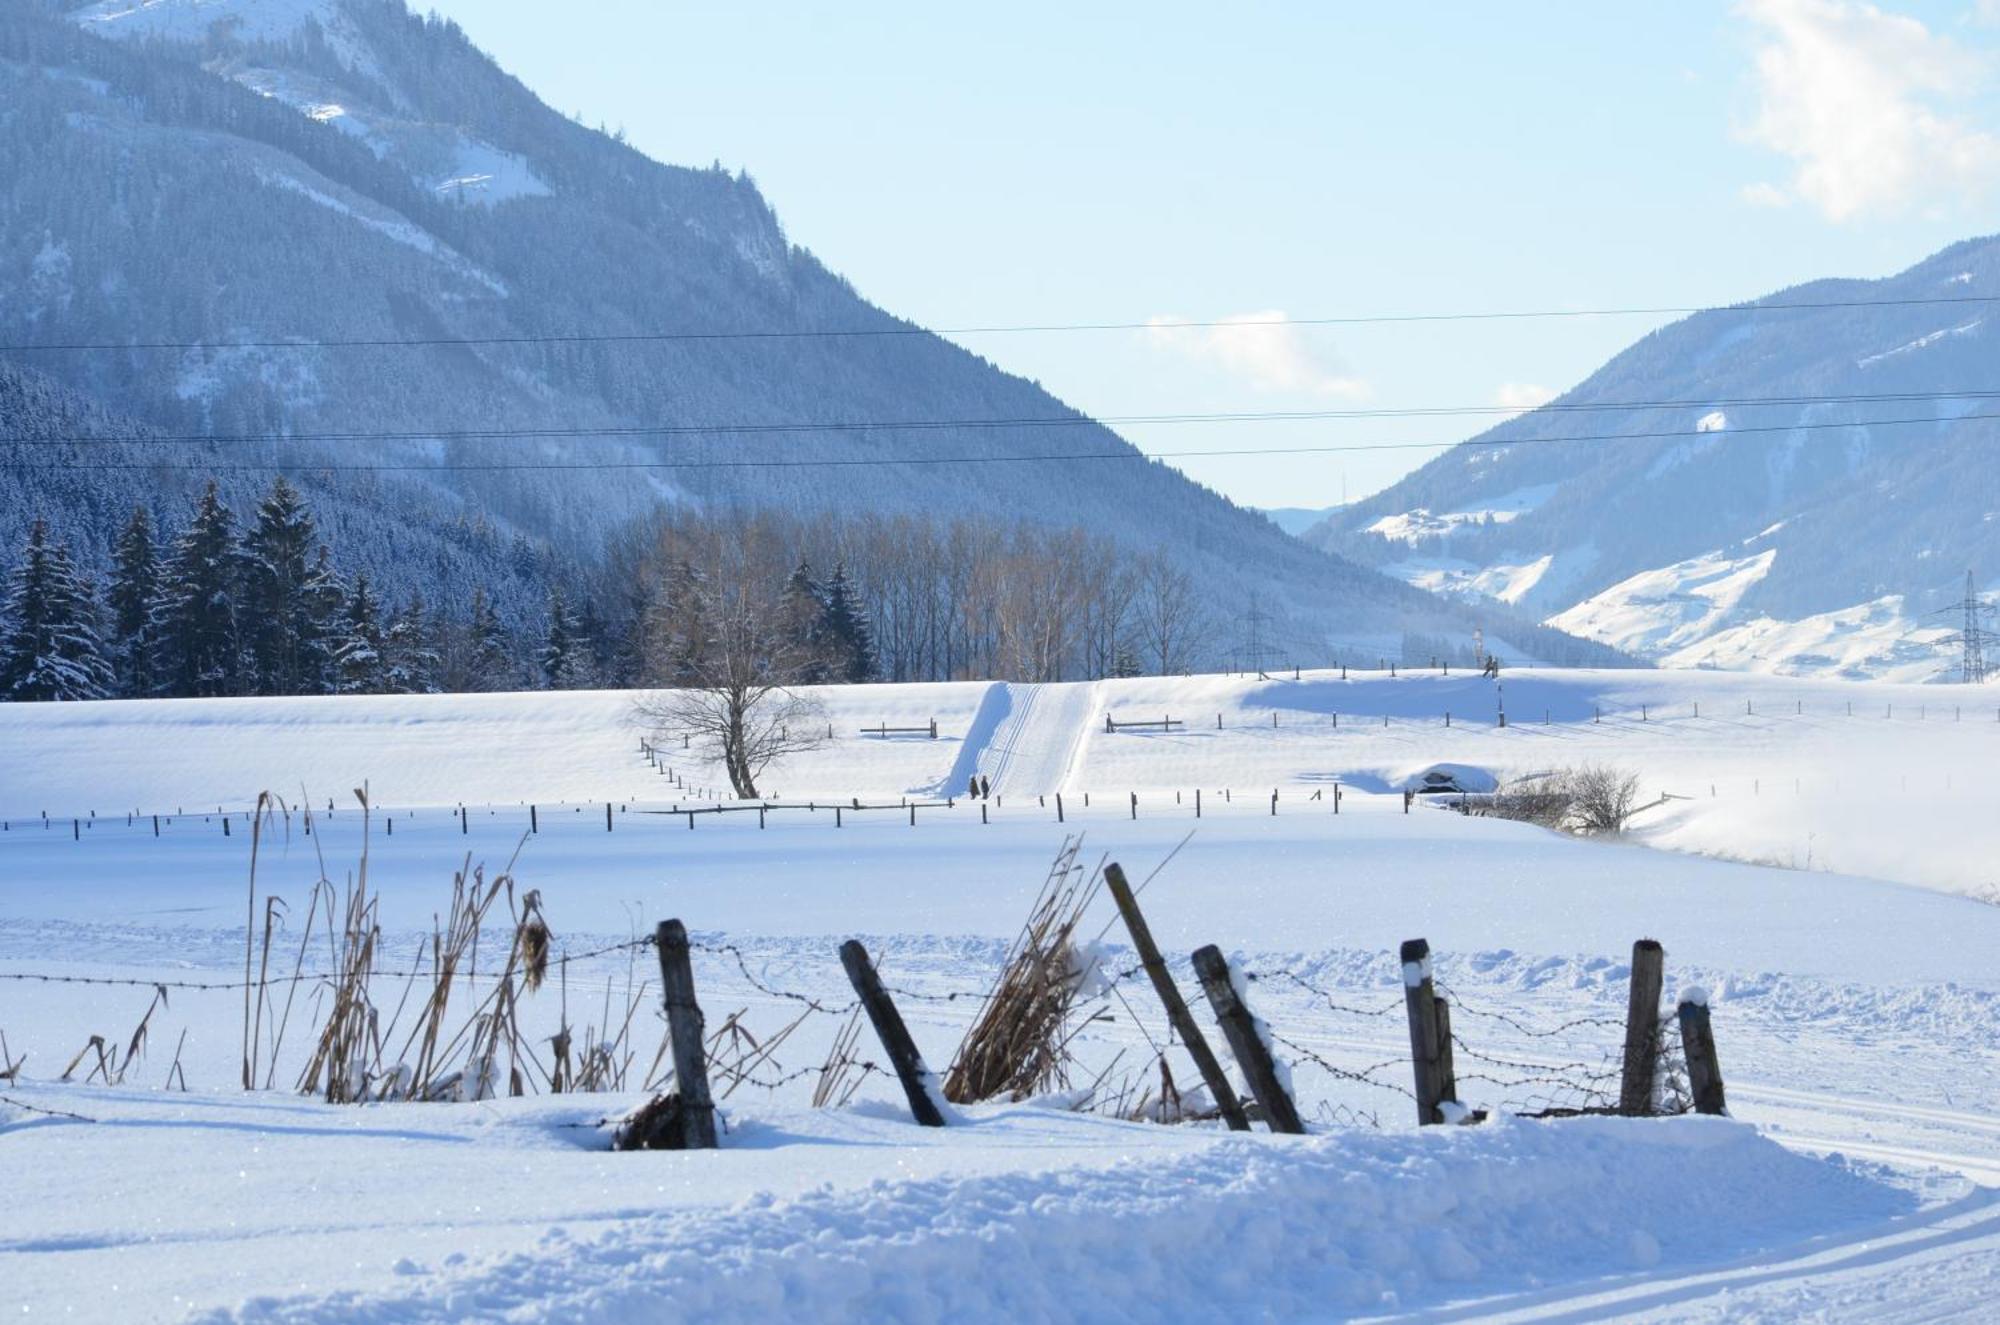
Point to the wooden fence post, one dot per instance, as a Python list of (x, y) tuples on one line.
[(684, 1028), (1178, 1015), (1698, 1043), (1059, 812), (534, 821), (1135, 805), (607, 816), (1447, 1070), (1642, 1030), (1251, 1053), (1419, 1000), (918, 1084)]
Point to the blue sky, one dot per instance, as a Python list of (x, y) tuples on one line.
[(1113, 162)]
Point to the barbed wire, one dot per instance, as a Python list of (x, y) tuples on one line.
[(1331, 1002)]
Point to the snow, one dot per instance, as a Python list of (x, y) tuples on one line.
[(384, 223), (247, 21), (1507, 582), (1713, 421), (1921, 342), (1856, 1018), (798, 1215), (490, 175), (1417, 525), (1658, 611), (1877, 639)]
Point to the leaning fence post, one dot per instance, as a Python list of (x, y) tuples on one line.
[(1178, 1015), (1059, 812), (1642, 1030), (1698, 1043), (1252, 1054), (918, 1084), (684, 1027), (1419, 1000)]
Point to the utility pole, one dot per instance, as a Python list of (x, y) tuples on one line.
[(1972, 638)]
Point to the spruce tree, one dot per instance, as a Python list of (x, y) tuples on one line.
[(411, 662), (197, 622), (49, 648), (279, 621), (359, 665), (564, 657), (491, 662), (135, 586), (804, 625), (326, 608), (850, 643)]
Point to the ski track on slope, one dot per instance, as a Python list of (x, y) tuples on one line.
[(1037, 743), (1883, 1273)]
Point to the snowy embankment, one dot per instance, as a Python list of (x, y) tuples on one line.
[(1337, 1225)]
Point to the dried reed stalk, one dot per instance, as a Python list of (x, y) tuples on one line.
[(1018, 1045)]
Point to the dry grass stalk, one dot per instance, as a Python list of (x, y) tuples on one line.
[(108, 1066), (838, 1075), (1018, 1045), (349, 1047), (10, 1066)]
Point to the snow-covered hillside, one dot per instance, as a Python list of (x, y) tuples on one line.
[(1794, 485)]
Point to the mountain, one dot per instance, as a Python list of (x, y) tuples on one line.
[(1796, 484), (228, 220), (1297, 519)]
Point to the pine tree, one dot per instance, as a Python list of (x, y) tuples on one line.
[(359, 666), (135, 585), (326, 608), (805, 609), (49, 649), (411, 661), (849, 641), (197, 621), (491, 662), (565, 653), (278, 615)]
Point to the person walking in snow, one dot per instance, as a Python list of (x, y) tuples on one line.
[(985, 788), (972, 787)]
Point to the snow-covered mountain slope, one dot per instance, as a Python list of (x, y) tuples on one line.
[(1791, 488), (266, 176)]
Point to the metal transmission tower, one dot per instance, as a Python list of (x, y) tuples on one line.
[(1973, 638)]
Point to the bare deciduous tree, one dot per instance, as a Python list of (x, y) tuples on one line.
[(737, 657), (1171, 624)]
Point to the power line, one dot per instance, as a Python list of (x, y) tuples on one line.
[(618, 431), (868, 461), (1038, 328)]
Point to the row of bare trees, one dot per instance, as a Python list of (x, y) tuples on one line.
[(730, 615), (970, 598)]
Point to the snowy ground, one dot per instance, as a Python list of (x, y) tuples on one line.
[(1856, 1017)]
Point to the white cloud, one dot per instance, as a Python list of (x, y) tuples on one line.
[(1264, 348), (1765, 194), (1522, 396), (1869, 106)]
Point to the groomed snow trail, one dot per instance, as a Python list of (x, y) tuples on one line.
[(1036, 739)]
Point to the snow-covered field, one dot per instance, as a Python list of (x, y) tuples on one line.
[(1856, 1015)]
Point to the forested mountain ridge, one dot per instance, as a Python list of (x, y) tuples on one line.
[(1818, 531), (265, 176)]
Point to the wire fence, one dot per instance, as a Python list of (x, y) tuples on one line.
[(1556, 1067)]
